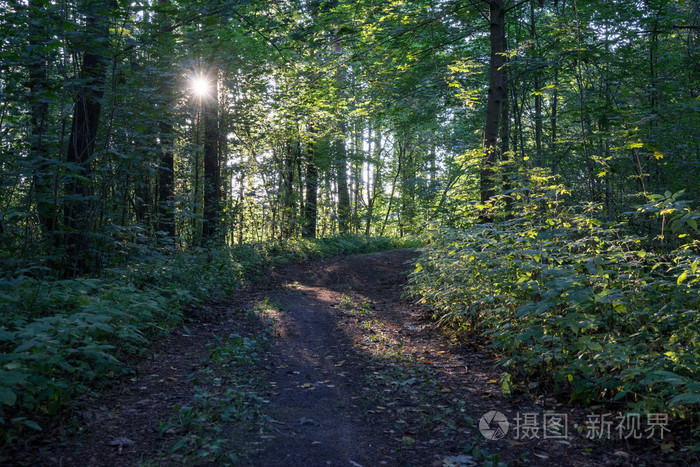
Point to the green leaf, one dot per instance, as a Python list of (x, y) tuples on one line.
[(7, 396), (684, 399), (33, 425), (507, 384), (682, 277)]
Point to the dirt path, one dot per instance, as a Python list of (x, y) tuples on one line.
[(321, 364)]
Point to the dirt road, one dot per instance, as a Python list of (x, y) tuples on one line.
[(318, 364)]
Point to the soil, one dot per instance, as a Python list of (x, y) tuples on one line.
[(344, 371)]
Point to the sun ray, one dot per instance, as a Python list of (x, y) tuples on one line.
[(200, 86)]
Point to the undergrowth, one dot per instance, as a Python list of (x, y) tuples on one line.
[(225, 404), (576, 306), (61, 338)]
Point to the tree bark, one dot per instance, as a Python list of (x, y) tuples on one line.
[(373, 193), (553, 122), (341, 156), (287, 190), (311, 188), (81, 142), (166, 166), (537, 85), (212, 182), (43, 175), (342, 178), (496, 93)]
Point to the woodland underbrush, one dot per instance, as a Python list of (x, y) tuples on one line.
[(61, 338), (576, 307)]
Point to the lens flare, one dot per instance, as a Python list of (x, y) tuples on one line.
[(201, 87)]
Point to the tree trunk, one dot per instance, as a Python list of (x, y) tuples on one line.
[(341, 157), (537, 85), (166, 166), (553, 120), (496, 93), (287, 190), (505, 148), (311, 181), (42, 176), (373, 193), (342, 176), (81, 143), (212, 188)]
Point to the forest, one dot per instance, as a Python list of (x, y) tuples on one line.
[(542, 156)]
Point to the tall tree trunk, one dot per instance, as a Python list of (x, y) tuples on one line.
[(341, 156), (505, 148), (342, 178), (537, 85), (212, 178), (166, 165), (496, 93), (42, 176), (373, 193), (196, 182), (399, 169), (81, 143), (311, 181), (287, 190), (553, 120)]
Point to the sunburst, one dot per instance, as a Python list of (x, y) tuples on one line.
[(201, 86)]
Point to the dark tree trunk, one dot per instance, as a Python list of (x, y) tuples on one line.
[(166, 165), (505, 148), (212, 188), (311, 181), (43, 175), (342, 176), (553, 120), (81, 143), (374, 189), (287, 189), (537, 85), (310, 206), (496, 94), (341, 157)]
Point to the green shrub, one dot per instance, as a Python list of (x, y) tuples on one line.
[(575, 306)]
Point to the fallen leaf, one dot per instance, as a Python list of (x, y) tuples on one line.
[(121, 441)]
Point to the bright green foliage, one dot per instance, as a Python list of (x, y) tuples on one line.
[(574, 305)]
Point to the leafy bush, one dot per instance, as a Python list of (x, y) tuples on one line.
[(62, 338), (574, 305)]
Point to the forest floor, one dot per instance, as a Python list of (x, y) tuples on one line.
[(322, 363)]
